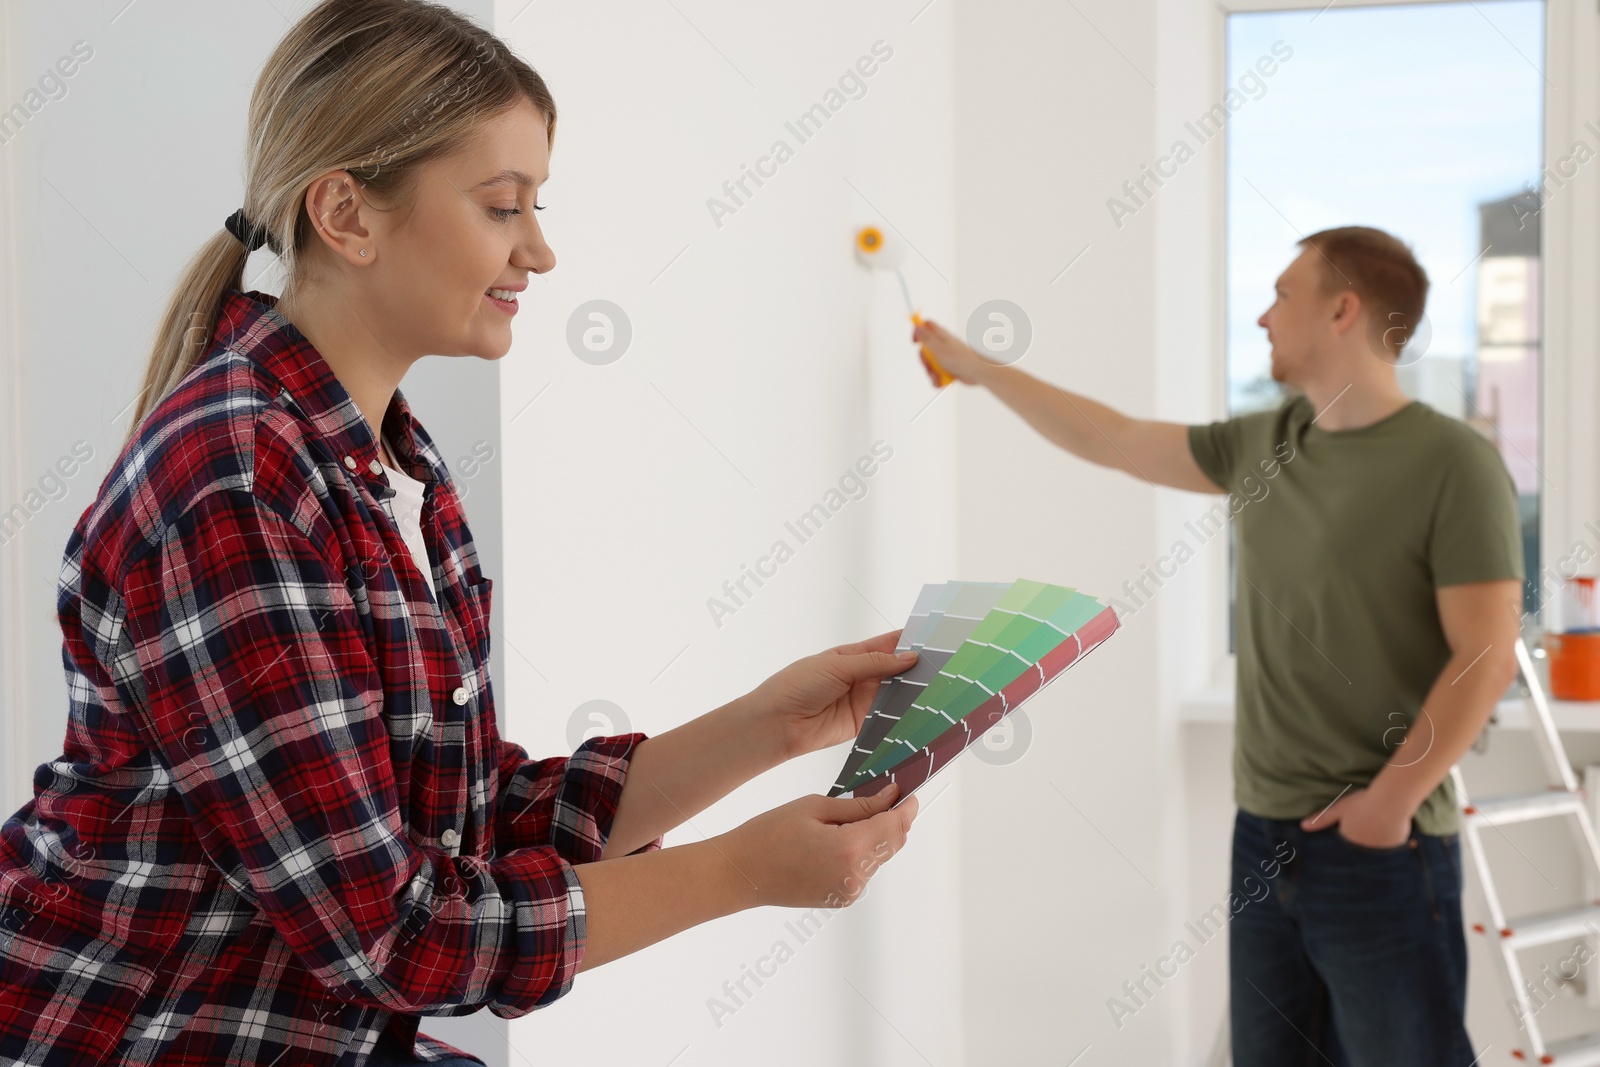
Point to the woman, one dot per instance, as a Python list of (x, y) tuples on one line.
[(283, 824)]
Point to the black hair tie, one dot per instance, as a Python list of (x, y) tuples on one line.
[(249, 234)]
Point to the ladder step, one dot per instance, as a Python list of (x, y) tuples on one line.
[(1552, 926), (1563, 797), (1574, 1052), (1520, 807)]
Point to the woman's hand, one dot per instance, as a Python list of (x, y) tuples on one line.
[(821, 700), (816, 852), (812, 703), (950, 352)]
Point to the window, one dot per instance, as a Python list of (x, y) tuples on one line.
[(1425, 120)]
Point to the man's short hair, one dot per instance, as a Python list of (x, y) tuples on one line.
[(1381, 270)]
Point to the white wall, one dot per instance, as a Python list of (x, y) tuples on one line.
[(1068, 849), (635, 489)]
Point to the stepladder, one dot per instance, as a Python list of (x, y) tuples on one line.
[(1515, 937)]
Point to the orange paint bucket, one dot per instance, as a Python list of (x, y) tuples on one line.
[(1574, 665)]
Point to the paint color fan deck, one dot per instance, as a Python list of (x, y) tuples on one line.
[(985, 648)]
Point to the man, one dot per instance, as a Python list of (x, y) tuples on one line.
[(1377, 613)]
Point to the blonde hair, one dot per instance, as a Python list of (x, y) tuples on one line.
[(376, 87)]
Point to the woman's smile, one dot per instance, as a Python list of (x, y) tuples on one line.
[(508, 306)]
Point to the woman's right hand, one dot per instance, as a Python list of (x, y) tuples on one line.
[(817, 852), (951, 352)]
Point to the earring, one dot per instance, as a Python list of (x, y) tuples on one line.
[(363, 251)]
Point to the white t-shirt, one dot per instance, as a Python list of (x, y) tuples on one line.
[(406, 508)]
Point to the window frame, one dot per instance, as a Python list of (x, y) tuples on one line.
[(1570, 326)]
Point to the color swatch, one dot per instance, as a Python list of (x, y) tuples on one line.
[(985, 648)]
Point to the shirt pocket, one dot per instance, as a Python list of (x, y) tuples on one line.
[(477, 597)]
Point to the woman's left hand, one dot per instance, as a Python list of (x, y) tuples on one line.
[(821, 700)]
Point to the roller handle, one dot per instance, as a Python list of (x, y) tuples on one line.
[(941, 377)]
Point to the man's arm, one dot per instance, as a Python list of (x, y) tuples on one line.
[(1481, 622), (1155, 451)]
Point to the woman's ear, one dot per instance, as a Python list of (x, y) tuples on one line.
[(340, 214)]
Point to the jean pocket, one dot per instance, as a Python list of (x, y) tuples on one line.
[(1392, 850)]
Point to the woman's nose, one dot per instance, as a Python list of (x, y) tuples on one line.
[(540, 257)]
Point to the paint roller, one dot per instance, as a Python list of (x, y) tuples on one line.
[(875, 250)]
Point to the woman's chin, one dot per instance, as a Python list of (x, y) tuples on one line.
[(491, 348), (488, 339)]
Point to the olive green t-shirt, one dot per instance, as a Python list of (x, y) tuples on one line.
[(1343, 537)]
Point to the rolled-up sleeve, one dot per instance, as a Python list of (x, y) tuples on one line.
[(568, 802), (247, 665)]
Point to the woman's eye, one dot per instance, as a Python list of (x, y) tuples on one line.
[(504, 213)]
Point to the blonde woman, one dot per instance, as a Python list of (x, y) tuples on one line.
[(283, 825)]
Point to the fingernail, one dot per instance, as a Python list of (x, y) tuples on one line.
[(906, 655)]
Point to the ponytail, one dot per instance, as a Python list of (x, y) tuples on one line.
[(185, 332)]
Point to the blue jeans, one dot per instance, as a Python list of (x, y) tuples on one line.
[(388, 1053), (1345, 955)]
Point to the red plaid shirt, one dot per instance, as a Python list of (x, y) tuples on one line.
[(283, 818)]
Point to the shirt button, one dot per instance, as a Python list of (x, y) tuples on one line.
[(460, 695), (350, 461), (375, 467), (449, 838)]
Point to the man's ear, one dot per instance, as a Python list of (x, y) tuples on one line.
[(1346, 312)]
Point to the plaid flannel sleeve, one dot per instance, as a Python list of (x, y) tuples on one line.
[(244, 658), (568, 802)]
